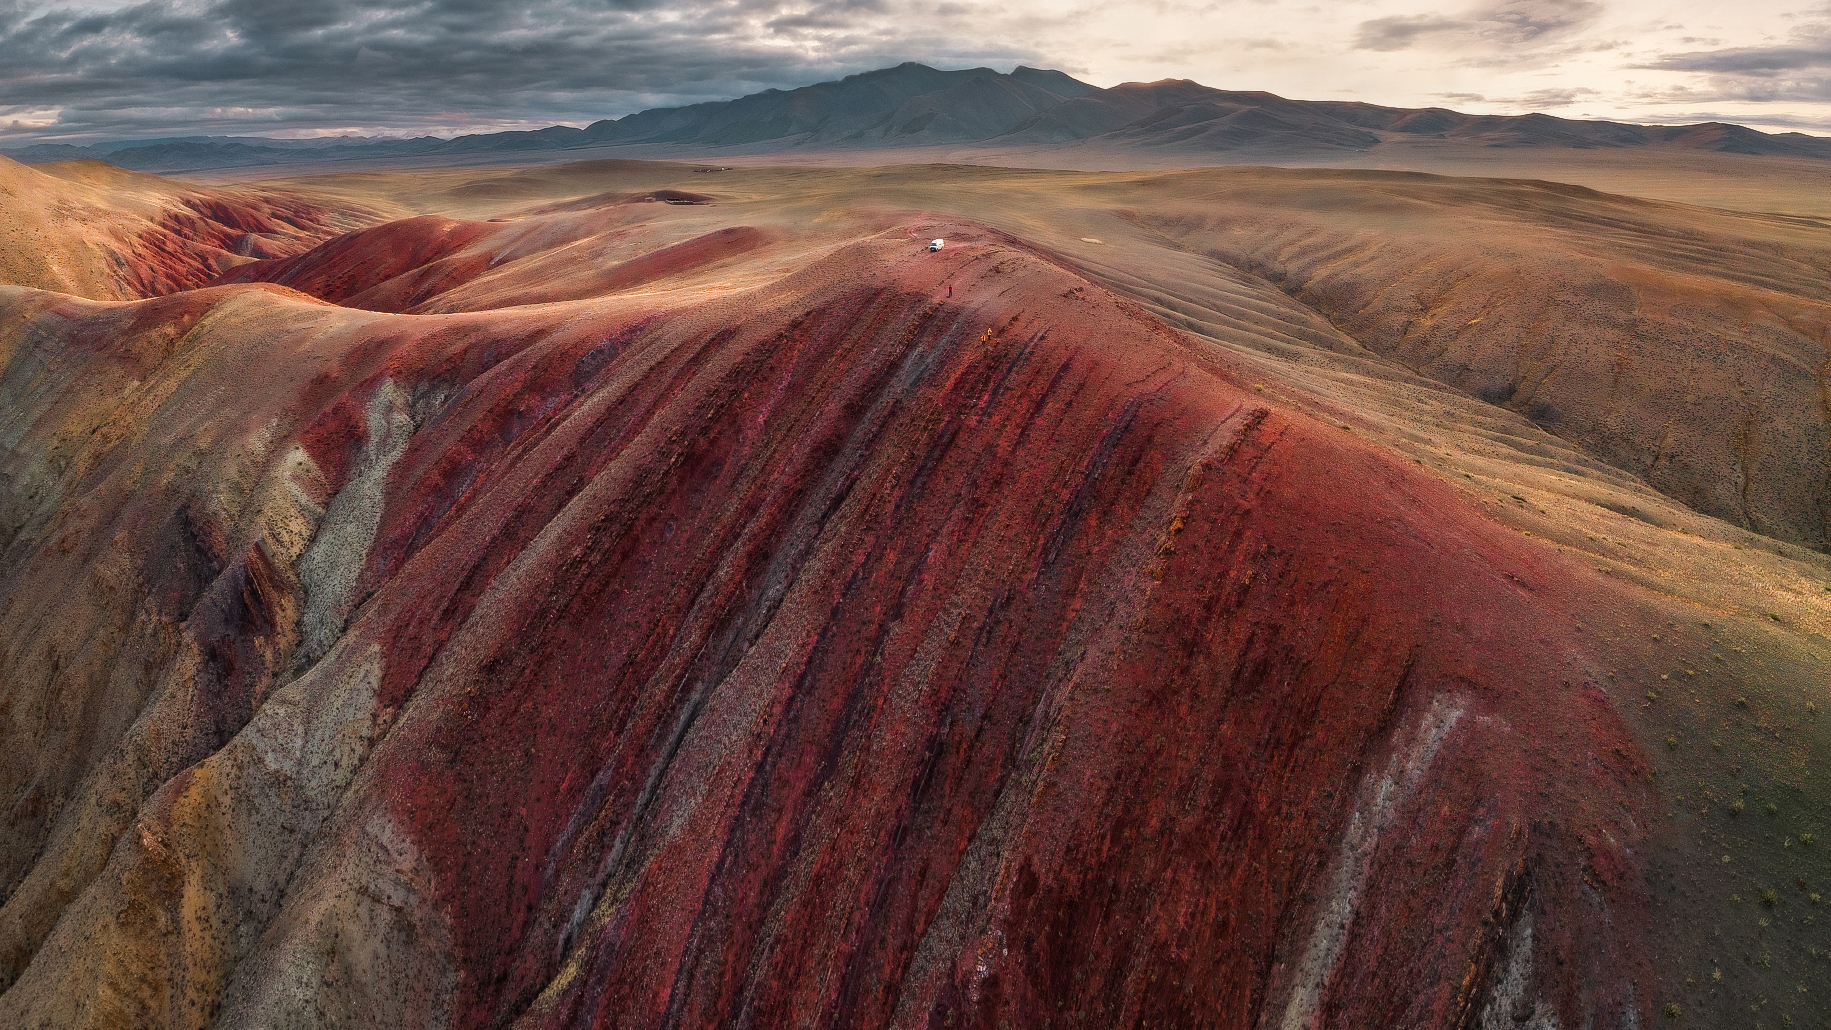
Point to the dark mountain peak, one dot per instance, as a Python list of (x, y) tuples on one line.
[(908, 74), (1060, 83), (910, 104), (1162, 84), (915, 105), (905, 70), (1165, 90)]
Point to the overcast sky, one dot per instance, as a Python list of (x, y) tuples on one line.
[(97, 69)]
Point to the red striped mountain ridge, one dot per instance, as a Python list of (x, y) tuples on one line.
[(1241, 598)]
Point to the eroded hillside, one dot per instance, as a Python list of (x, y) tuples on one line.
[(625, 613), (100, 232)]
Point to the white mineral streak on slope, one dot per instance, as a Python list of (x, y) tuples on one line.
[(1374, 814), (173, 699), (1511, 997), (357, 944), (337, 554), (262, 800)]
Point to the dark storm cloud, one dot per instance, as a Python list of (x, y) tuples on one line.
[(1516, 25), (1535, 100), (1749, 60), (1403, 32), (258, 65), (1798, 69)]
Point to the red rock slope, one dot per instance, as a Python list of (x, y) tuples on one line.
[(101, 232), (822, 652)]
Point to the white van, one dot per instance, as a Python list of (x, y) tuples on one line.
[(934, 245)]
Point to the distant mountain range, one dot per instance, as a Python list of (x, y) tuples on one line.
[(913, 105)]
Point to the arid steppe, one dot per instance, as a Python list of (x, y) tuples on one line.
[(667, 594)]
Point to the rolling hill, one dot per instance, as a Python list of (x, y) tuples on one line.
[(97, 231), (565, 608)]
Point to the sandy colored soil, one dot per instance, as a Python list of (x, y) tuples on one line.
[(1683, 347), (97, 231), (1233, 597), (1799, 187)]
